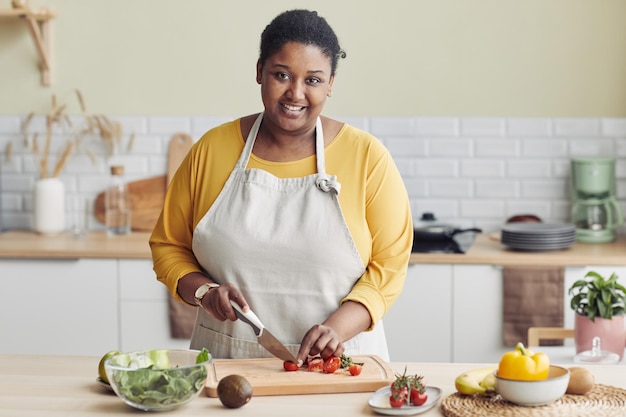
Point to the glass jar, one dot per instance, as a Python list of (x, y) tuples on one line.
[(117, 204)]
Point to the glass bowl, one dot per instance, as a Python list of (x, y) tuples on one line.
[(534, 393), (157, 380)]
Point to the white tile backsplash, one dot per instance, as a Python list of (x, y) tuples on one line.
[(472, 171), (528, 127)]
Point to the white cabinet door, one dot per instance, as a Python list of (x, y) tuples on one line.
[(419, 324), (60, 307), (144, 310), (477, 318)]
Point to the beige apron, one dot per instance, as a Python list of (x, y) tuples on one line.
[(284, 243)]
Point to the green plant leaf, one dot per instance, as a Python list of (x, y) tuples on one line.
[(596, 296)]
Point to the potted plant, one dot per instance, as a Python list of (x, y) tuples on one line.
[(599, 304)]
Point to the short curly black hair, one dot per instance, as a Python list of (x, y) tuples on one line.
[(302, 26)]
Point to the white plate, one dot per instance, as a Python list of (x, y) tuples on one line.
[(545, 229), (379, 401)]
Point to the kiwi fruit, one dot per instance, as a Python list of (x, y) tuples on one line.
[(234, 391), (581, 381)]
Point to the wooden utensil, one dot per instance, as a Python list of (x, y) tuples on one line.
[(147, 195), (179, 147), (267, 377)]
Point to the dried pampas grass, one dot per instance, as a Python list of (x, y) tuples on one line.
[(109, 131)]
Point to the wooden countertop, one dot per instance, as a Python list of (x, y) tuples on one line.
[(66, 386), (487, 250), (484, 251), (24, 244)]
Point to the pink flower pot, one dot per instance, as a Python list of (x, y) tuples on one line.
[(611, 332)]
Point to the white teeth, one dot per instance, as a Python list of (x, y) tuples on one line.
[(292, 108)]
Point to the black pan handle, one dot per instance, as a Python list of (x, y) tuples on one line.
[(453, 232)]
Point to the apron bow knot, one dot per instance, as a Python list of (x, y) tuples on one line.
[(327, 184)]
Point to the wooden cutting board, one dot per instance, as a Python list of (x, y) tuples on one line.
[(147, 195), (146, 202), (268, 377)]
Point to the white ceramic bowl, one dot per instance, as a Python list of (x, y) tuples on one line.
[(157, 380), (534, 393)]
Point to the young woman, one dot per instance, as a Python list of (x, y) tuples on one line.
[(301, 218)]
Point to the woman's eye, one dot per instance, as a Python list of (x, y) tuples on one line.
[(314, 81), (282, 76)]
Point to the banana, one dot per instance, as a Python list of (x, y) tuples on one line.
[(477, 381)]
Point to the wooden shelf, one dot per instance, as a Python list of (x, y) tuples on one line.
[(38, 23)]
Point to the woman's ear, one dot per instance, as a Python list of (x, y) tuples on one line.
[(259, 71)]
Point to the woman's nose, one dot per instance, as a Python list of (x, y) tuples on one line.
[(296, 90)]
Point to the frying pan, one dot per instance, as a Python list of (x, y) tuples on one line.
[(438, 233), (431, 231)]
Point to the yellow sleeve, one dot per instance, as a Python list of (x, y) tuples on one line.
[(195, 186), (377, 210)]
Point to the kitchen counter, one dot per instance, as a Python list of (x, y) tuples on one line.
[(95, 244), (65, 385), (486, 250)]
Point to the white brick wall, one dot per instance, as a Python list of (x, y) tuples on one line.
[(469, 171)]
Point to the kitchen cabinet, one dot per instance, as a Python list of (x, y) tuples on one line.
[(453, 312), (59, 306), (144, 308), (477, 313), (419, 325), (82, 307)]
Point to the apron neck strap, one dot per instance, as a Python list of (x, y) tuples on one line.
[(247, 149)]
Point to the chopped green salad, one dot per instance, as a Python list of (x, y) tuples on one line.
[(152, 383)]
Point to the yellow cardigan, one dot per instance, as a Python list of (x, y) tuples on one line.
[(373, 199)]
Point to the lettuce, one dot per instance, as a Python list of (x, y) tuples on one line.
[(155, 387)]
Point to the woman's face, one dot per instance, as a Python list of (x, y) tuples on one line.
[(295, 82)]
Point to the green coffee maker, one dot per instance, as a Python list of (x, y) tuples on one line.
[(595, 210)]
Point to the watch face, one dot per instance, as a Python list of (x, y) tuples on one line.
[(203, 289)]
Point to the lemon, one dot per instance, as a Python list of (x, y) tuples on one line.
[(101, 372)]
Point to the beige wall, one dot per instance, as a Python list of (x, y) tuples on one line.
[(539, 58)]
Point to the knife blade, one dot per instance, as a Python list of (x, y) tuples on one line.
[(264, 337)]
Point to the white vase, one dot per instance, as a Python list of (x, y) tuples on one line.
[(49, 206)]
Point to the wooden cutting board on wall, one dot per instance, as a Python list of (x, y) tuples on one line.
[(268, 377), (147, 195)]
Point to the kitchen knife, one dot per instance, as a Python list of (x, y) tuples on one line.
[(264, 337)]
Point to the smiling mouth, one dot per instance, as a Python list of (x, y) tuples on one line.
[(292, 108)]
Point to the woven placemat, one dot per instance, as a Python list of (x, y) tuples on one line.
[(602, 401)]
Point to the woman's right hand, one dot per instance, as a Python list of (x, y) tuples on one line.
[(217, 302)]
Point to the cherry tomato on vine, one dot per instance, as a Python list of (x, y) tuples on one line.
[(418, 397), (397, 401)]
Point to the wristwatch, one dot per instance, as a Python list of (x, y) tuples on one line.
[(202, 291)]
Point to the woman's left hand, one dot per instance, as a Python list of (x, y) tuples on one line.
[(320, 340), (326, 339)]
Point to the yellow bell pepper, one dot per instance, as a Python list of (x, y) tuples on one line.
[(524, 365)]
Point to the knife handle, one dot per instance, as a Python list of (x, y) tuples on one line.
[(249, 318)]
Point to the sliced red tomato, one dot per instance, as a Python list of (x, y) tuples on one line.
[(397, 401), (316, 364), (290, 366), (355, 369), (418, 397), (331, 364)]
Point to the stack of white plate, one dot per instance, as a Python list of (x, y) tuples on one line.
[(538, 236)]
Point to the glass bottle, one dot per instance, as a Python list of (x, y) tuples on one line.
[(117, 203)]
